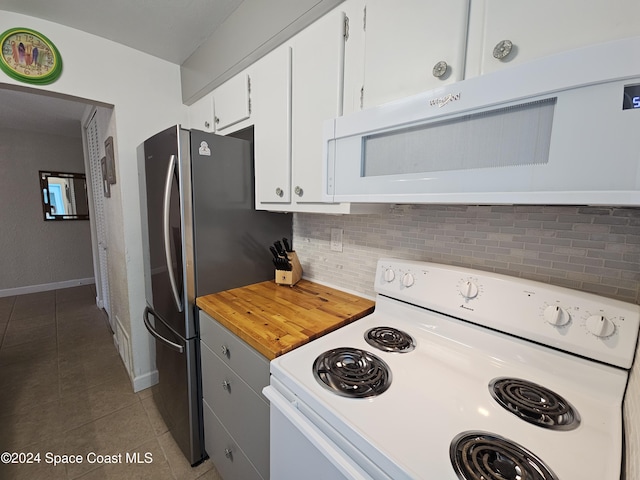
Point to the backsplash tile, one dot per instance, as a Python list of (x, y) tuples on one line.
[(594, 249)]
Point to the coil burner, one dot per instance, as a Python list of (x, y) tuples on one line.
[(485, 456), (389, 339), (351, 372), (534, 403)]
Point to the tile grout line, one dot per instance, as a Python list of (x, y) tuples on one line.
[(6, 327)]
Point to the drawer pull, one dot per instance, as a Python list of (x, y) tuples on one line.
[(226, 386), (228, 453), (225, 351)]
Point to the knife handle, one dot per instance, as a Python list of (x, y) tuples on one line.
[(280, 250), (287, 247)]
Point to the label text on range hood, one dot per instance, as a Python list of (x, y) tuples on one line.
[(442, 101)]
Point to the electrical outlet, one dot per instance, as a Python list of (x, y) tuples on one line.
[(336, 239)]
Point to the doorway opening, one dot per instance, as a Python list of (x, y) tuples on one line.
[(47, 131)]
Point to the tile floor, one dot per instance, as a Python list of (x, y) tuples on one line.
[(65, 391)]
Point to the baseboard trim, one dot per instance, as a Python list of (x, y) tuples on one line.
[(8, 292), (147, 380)]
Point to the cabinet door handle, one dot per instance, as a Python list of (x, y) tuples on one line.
[(439, 69), (502, 49), (225, 351), (228, 453), (226, 386), (298, 191), (279, 192)]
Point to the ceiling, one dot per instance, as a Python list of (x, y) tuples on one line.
[(167, 29)]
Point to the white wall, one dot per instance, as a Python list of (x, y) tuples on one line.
[(146, 96), (32, 251)]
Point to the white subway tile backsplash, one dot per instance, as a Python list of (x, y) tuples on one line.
[(591, 248), (594, 249)]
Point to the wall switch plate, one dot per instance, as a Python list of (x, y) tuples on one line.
[(336, 239)]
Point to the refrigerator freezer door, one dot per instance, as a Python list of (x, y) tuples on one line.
[(177, 394), (165, 227), (231, 238)]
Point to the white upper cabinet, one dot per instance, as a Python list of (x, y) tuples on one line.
[(201, 114), (232, 102), (271, 113), (317, 86), (408, 46), (541, 28), (294, 90), (353, 56)]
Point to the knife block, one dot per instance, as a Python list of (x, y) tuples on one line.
[(286, 277)]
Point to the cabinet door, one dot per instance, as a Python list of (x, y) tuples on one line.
[(354, 55), (231, 102), (405, 39), (271, 111), (201, 114), (541, 28), (317, 86)]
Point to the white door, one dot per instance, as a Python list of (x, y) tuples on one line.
[(271, 111), (541, 28), (404, 42), (317, 84), (102, 277)]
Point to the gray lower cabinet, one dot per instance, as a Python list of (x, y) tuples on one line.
[(236, 414)]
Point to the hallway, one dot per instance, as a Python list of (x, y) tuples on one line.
[(65, 391)]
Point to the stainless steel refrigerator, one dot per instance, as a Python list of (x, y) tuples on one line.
[(201, 235)]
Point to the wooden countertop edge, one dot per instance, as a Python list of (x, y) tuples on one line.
[(271, 324), (271, 353)]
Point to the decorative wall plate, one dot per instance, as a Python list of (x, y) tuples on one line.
[(29, 56)]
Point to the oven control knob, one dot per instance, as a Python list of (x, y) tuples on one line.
[(557, 316), (389, 275), (600, 326), (407, 280), (469, 290)]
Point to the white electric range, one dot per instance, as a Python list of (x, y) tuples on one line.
[(473, 375)]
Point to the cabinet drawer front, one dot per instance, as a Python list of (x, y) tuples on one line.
[(251, 366), (230, 460), (243, 413)]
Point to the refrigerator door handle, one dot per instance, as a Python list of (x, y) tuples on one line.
[(152, 331), (167, 238)]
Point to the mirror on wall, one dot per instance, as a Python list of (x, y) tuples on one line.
[(64, 196)]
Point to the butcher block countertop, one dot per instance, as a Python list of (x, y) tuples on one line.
[(275, 319)]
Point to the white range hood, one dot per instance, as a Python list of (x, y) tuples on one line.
[(560, 130)]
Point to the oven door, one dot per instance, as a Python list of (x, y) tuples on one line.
[(300, 449)]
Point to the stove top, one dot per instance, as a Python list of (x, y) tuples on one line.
[(477, 375)]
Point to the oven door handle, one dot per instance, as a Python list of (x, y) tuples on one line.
[(317, 438)]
